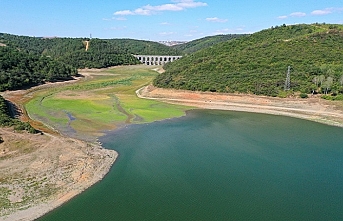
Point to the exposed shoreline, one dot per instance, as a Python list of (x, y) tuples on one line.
[(62, 168), (90, 162), (313, 108), (39, 173)]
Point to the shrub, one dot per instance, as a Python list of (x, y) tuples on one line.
[(333, 98), (303, 95), (24, 126)]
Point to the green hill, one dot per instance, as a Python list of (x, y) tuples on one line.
[(258, 63), (28, 61), (202, 43), (101, 52), (19, 69), (145, 47)]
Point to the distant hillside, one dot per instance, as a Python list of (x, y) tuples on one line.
[(101, 52), (202, 43), (145, 47), (258, 63)]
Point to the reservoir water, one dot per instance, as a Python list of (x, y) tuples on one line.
[(217, 165)]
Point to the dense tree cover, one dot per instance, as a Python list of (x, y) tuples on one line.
[(101, 52), (202, 43), (19, 69), (258, 63), (145, 47), (7, 121), (106, 53), (26, 61)]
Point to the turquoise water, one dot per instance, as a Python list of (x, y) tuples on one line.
[(216, 165)]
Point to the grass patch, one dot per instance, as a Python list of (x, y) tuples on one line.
[(4, 201), (101, 102), (150, 110), (50, 115), (94, 110)]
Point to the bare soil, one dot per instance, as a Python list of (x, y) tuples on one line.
[(40, 172), (313, 108)]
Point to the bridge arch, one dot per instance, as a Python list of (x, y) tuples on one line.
[(156, 59)]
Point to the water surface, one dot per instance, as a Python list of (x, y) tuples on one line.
[(218, 165)]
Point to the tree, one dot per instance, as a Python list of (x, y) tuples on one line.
[(327, 84), (321, 79), (330, 80), (330, 72), (313, 88), (341, 80), (316, 80)]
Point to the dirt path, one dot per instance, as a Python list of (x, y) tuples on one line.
[(314, 108), (87, 45)]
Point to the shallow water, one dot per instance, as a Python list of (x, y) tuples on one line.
[(217, 165)]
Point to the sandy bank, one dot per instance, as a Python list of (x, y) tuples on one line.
[(313, 108), (41, 172)]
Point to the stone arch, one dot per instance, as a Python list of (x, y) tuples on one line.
[(156, 59)]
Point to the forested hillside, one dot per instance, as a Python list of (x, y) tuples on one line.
[(258, 63), (101, 52), (145, 47), (19, 69), (202, 43)]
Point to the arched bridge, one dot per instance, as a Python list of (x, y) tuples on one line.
[(156, 59)]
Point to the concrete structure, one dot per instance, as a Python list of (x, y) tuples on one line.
[(156, 59)]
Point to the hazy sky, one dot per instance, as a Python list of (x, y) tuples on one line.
[(159, 19)]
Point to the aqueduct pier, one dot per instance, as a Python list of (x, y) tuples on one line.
[(156, 59)]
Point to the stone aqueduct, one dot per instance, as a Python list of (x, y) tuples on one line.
[(156, 59)]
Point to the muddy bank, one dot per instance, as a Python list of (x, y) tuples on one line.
[(313, 108)]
